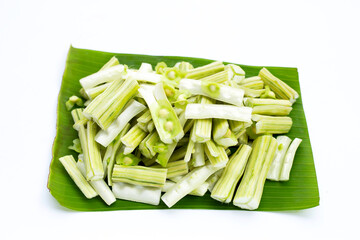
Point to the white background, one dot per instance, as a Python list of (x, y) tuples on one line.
[(321, 38)]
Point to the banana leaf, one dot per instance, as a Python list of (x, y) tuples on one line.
[(300, 192)]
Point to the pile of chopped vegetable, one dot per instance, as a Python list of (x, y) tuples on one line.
[(180, 130)]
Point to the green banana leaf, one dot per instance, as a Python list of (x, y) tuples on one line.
[(300, 192)]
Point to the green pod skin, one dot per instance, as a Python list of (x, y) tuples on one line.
[(139, 175), (143, 148), (249, 192), (70, 166), (274, 125), (220, 77), (133, 138), (280, 88), (145, 117), (206, 70), (112, 62), (274, 110), (174, 169), (94, 168), (225, 187), (203, 127), (127, 91), (164, 117)]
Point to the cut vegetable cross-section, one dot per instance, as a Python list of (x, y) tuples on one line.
[(165, 119)]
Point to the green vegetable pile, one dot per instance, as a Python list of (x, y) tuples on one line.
[(182, 131)]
